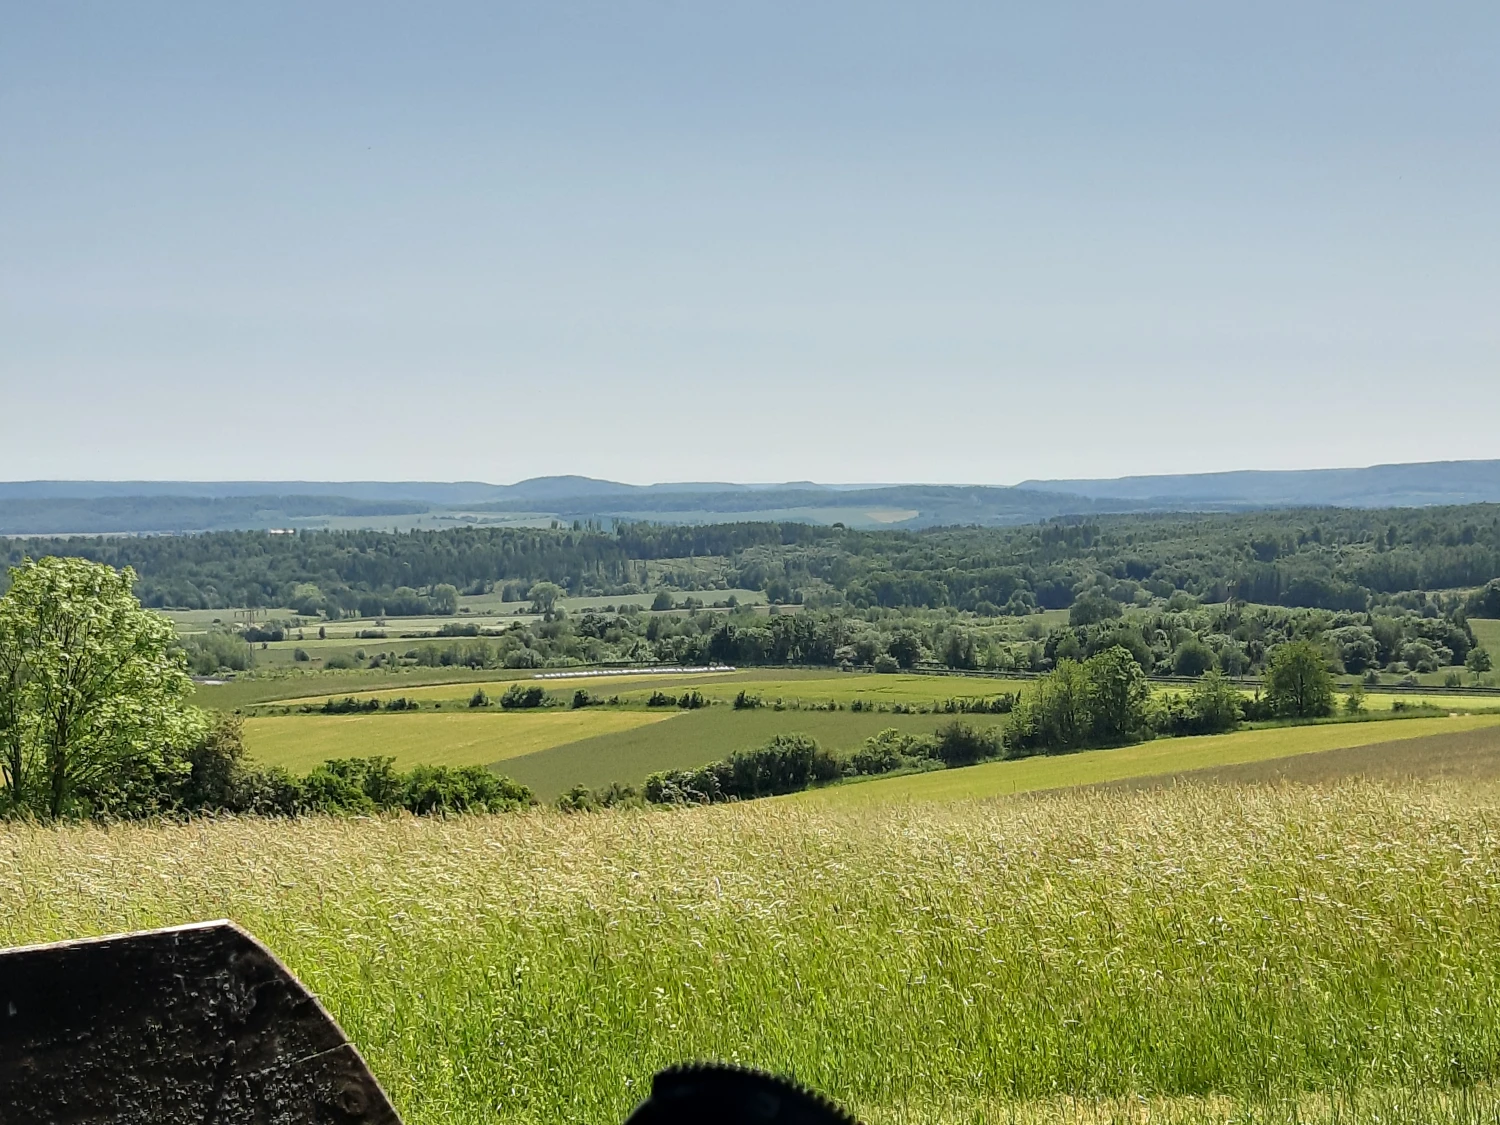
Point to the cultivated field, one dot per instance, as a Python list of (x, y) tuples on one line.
[(555, 749), (790, 688), (1146, 759), (1193, 955), (460, 738)]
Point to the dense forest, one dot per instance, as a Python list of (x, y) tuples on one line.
[(1384, 591), (1334, 559)]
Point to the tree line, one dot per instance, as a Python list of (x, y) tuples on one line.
[(1341, 560)]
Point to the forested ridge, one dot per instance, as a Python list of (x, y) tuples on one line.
[(1336, 559)]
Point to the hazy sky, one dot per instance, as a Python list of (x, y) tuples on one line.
[(750, 241)]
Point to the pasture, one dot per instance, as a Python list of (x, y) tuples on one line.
[(1487, 633), (1192, 955)]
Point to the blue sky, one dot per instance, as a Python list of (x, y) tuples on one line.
[(665, 241)]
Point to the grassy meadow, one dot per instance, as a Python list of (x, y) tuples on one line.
[(1189, 955), (1487, 633)]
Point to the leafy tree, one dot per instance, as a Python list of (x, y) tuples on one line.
[(1214, 703), (1192, 658), (1485, 602), (444, 598), (94, 712), (544, 596), (1479, 660), (905, 648), (662, 601), (1298, 683), (1091, 608), (1118, 695), (959, 651)]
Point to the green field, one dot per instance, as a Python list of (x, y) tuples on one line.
[(1487, 633), (457, 738), (692, 739), (295, 684), (1164, 755), (791, 688), (1191, 955), (557, 749)]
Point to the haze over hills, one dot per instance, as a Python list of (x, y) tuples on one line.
[(123, 507), (1379, 486)]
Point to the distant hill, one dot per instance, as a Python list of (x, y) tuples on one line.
[(146, 507), (1379, 486)]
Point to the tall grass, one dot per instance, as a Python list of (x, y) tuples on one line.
[(1191, 955)]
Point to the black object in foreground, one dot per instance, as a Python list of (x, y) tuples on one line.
[(196, 1024), (202, 1025), (717, 1094)]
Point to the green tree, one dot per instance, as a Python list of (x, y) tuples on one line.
[(905, 648), (94, 714), (1092, 607), (444, 599), (1298, 683), (959, 650), (1214, 703), (544, 596), (1118, 695), (1192, 658), (1478, 660)]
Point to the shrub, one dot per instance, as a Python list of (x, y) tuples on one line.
[(691, 700), (457, 789), (300, 655), (519, 697), (479, 698), (581, 798), (661, 699), (959, 744), (1211, 706), (881, 753), (349, 706), (746, 702), (217, 651), (785, 764)]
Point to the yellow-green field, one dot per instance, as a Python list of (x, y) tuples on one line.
[(789, 687), (1164, 755), (465, 738), (1262, 956)]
